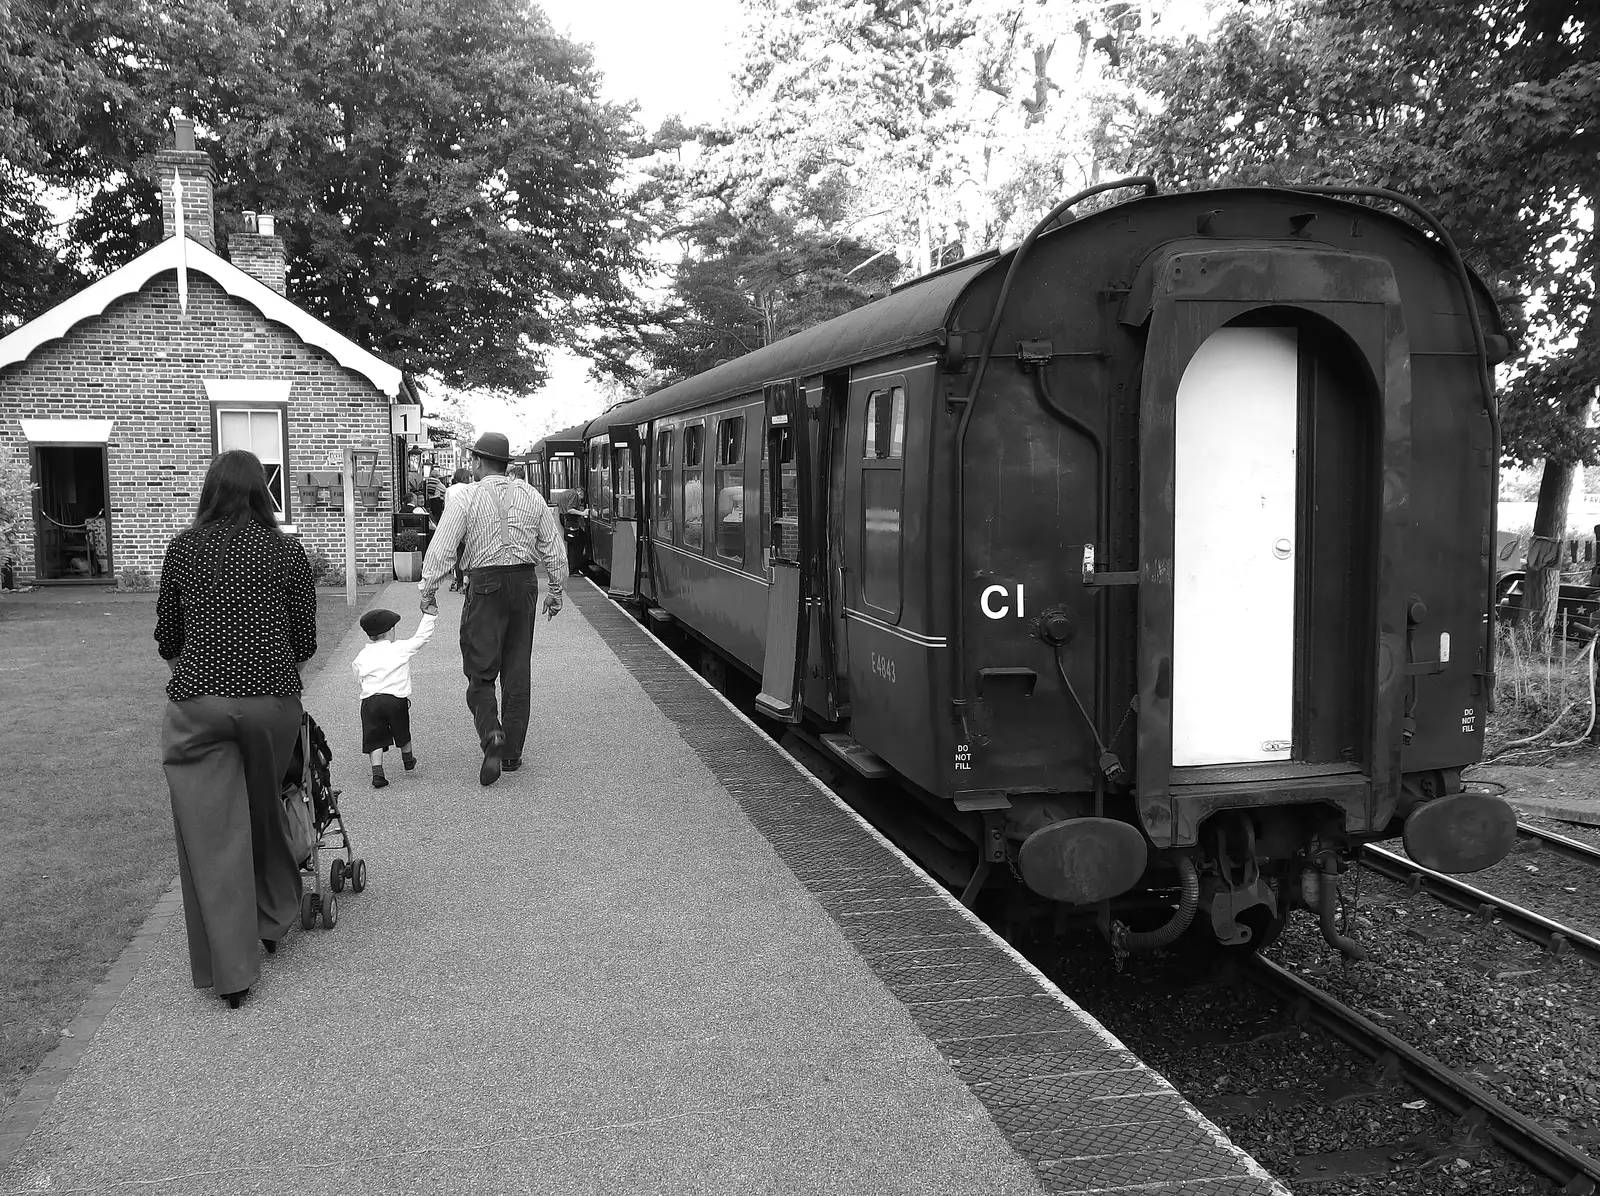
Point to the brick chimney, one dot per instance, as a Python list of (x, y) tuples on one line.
[(258, 251), (198, 177)]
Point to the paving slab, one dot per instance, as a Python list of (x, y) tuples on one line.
[(604, 973), (1568, 790)]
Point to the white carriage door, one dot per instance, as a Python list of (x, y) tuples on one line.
[(1234, 549)]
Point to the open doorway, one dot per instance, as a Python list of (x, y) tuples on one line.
[(72, 530)]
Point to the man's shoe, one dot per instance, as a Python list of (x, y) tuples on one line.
[(511, 764), (489, 773)]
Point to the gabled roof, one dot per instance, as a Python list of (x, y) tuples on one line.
[(94, 299)]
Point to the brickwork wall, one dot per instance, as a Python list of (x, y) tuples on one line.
[(199, 187), (260, 257), (143, 365)]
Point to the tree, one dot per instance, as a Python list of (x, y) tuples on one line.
[(762, 256), (446, 178), (1487, 112), (66, 96)]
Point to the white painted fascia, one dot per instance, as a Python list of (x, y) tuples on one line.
[(66, 431), (248, 390), (94, 299)]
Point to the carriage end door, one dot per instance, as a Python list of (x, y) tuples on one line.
[(626, 469), (790, 512)]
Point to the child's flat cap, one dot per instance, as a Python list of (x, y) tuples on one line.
[(376, 622)]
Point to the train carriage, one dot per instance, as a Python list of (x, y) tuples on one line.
[(1153, 553)]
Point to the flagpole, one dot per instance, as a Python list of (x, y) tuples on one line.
[(183, 245)]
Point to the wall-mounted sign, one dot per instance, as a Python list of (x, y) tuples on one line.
[(405, 419)]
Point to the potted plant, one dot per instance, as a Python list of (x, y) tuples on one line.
[(408, 555)]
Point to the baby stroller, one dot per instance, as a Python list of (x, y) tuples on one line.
[(308, 780)]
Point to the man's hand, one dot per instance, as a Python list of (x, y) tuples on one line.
[(430, 604), (552, 604)]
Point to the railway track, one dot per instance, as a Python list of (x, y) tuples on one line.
[(1572, 849), (1478, 1110), (1535, 927)]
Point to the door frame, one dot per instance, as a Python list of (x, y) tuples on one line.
[(625, 438), (784, 666), (34, 475), (1182, 294)]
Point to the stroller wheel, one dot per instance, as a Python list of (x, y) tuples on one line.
[(358, 879), (336, 876), (330, 912), (308, 910)]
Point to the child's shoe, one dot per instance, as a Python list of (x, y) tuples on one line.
[(408, 760), (379, 781)]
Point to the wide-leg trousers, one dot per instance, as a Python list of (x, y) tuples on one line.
[(497, 641), (225, 759)]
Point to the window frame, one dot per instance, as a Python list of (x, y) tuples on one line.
[(682, 485), (663, 479), (281, 408), (723, 468), (873, 464)]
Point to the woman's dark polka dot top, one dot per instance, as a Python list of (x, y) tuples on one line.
[(243, 636)]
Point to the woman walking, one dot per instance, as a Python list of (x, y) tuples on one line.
[(237, 614)]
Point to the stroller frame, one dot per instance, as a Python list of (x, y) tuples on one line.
[(328, 830)]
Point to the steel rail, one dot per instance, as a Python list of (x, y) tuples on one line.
[(1566, 1165), (1573, 849), (1551, 935)]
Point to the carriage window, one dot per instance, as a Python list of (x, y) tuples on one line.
[(730, 488), (784, 507), (663, 467), (694, 508), (600, 479), (885, 424), (881, 499), (625, 497)]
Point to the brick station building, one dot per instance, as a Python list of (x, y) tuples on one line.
[(121, 396)]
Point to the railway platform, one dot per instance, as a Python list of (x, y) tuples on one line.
[(659, 958)]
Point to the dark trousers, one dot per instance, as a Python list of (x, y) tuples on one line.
[(225, 759), (497, 641)]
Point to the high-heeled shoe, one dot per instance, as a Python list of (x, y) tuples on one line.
[(233, 999), (271, 945)]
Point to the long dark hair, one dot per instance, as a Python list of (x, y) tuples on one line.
[(234, 494)]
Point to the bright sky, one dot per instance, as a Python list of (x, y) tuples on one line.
[(671, 57)]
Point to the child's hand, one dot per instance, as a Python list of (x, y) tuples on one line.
[(430, 603)]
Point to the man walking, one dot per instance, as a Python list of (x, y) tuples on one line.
[(503, 527)]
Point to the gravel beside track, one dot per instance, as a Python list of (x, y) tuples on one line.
[(1306, 1107), (1517, 1022)]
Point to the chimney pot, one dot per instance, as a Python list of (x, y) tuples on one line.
[(267, 225), (182, 133), (249, 221)]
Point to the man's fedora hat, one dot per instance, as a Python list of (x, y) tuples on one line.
[(493, 446)]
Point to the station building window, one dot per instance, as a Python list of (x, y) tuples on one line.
[(663, 469), (256, 429), (730, 488), (881, 490), (694, 503)]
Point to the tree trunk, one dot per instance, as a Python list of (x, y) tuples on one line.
[(1543, 588)]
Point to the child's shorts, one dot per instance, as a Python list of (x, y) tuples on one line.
[(385, 721)]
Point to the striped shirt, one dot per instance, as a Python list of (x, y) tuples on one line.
[(504, 522)]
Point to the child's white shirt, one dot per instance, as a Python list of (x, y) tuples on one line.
[(384, 666)]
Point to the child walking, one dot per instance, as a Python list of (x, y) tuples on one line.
[(383, 668)]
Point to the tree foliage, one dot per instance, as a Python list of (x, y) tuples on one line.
[(445, 176)]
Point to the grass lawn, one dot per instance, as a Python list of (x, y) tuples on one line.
[(84, 812)]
